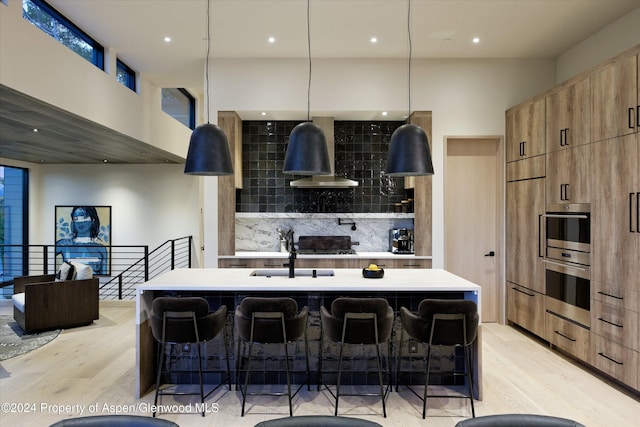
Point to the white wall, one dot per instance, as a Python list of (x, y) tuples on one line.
[(606, 43), (467, 97), (38, 65)]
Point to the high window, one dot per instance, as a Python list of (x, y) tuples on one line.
[(52, 22), (125, 75), (179, 104)]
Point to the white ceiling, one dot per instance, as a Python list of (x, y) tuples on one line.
[(339, 29), (135, 29)]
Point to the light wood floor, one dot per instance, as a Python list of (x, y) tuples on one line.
[(94, 365)]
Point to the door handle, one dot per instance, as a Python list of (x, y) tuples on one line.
[(492, 253), (631, 117)]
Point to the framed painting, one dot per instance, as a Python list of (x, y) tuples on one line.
[(83, 234)]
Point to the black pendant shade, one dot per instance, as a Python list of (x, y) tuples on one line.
[(409, 152), (208, 152), (307, 152)]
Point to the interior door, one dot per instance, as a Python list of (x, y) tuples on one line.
[(473, 200)]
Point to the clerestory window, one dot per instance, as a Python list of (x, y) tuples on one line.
[(52, 22)]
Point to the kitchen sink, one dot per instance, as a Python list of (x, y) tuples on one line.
[(284, 272)]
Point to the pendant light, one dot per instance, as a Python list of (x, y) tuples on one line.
[(208, 147), (307, 152), (409, 153)]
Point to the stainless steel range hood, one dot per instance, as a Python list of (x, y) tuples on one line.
[(325, 181)]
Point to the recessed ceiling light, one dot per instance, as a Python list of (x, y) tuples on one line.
[(167, 39), (35, 129), (476, 40), (373, 40), (271, 39), (384, 113), (105, 161), (264, 113)]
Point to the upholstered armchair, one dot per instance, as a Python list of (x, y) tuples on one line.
[(41, 303)]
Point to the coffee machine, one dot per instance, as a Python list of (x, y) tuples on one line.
[(401, 241)]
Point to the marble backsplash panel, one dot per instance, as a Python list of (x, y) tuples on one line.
[(260, 232)]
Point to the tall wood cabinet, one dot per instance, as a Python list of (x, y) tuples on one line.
[(568, 116), (592, 136), (568, 175), (525, 270), (614, 105), (525, 133)]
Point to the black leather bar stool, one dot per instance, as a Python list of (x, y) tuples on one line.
[(441, 322), (357, 321), (518, 420), (179, 321), (270, 321)]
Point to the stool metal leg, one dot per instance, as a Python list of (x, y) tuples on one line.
[(467, 359), (384, 408), (339, 378)]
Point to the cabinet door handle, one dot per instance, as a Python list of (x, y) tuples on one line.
[(610, 323), (564, 336), (561, 191), (609, 358), (631, 230), (638, 212), (566, 137), (631, 117), (523, 292), (524, 153), (566, 192), (610, 296), (561, 137)]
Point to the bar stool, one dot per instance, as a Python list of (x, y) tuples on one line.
[(179, 321), (357, 321), (441, 322), (270, 321)]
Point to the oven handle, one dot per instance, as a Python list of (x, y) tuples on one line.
[(565, 216), (541, 237), (564, 265)]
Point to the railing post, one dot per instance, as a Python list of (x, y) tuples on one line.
[(120, 286), (190, 242), (146, 263), (173, 254), (45, 261)]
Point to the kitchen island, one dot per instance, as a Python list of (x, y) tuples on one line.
[(228, 286)]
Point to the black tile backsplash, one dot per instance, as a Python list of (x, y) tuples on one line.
[(360, 154)]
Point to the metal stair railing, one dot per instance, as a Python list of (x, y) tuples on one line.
[(129, 265)]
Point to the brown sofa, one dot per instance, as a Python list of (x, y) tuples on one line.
[(51, 305)]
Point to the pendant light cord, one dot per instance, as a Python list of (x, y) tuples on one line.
[(309, 52), (206, 67), (409, 65)]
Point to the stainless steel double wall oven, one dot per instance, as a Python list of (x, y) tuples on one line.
[(566, 233)]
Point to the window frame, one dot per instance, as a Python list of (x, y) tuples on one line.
[(97, 48), (130, 75), (191, 100)]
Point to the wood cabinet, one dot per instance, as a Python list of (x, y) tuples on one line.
[(526, 308), (615, 323), (614, 359), (525, 205), (567, 173), (568, 336), (592, 156), (526, 130), (568, 113), (615, 240), (533, 167), (614, 105), (347, 262)]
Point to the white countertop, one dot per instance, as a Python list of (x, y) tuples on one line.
[(357, 255), (345, 279)]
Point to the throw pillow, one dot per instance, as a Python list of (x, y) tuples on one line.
[(83, 271), (66, 272)]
